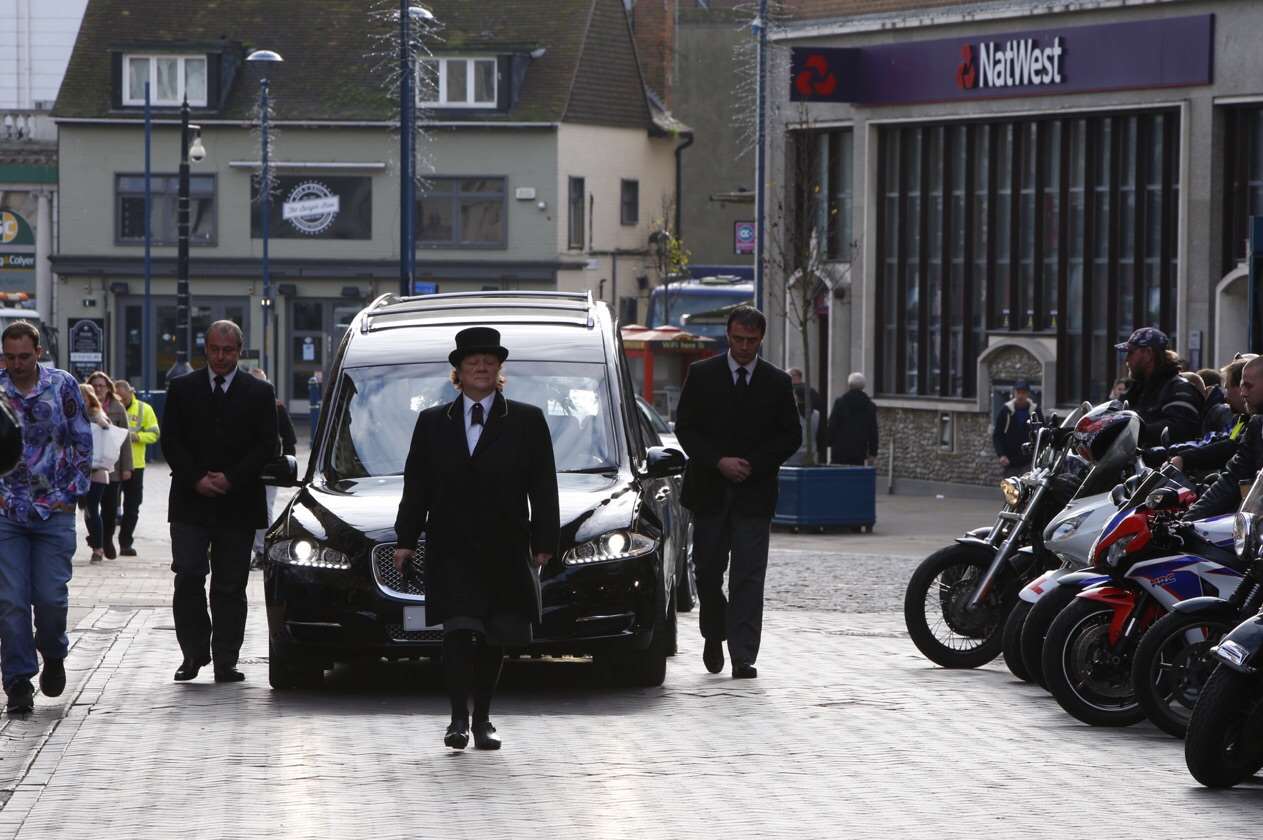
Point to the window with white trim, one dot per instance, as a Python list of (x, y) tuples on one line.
[(458, 82), (171, 78)]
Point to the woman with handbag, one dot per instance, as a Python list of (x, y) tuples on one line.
[(91, 503), (103, 386)]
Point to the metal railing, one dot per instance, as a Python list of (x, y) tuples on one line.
[(25, 125)]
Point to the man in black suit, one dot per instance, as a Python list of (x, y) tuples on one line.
[(219, 429), (738, 422)]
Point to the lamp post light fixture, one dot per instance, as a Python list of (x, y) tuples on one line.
[(195, 152), (407, 138), (264, 58)]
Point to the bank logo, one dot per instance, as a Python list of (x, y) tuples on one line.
[(1021, 62), (311, 208), (9, 227), (816, 79)]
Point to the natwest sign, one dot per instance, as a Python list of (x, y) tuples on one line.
[(1157, 53), (1015, 63)]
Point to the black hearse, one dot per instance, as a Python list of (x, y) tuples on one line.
[(332, 591)]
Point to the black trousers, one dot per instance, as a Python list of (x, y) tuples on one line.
[(472, 668), (109, 512), (223, 553), (728, 541), (133, 490)]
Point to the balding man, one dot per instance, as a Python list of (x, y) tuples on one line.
[(219, 430), (1224, 496)]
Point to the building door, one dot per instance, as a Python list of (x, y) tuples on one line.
[(316, 328), (130, 345)]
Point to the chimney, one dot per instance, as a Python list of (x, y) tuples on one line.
[(653, 26)]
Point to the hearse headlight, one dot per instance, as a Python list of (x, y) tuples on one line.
[(304, 552), (615, 545)]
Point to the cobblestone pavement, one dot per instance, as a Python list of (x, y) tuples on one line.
[(848, 732)]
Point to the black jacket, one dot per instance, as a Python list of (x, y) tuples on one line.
[(1209, 453), (713, 421), (803, 391), (1165, 400), (853, 428), (236, 440), (1224, 496), (1008, 435), (285, 427), (484, 515)]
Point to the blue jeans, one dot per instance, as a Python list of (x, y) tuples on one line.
[(34, 570)]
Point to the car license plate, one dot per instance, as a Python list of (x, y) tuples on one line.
[(414, 618)]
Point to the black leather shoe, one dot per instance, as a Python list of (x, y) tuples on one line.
[(110, 553), (52, 679), (228, 675), (485, 736), (457, 735), (189, 668), (127, 551), (713, 655), (21, 697), (742, 671)]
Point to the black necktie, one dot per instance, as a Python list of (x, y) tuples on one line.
[(742, 381), (475, 417), (217, 398), (219, 386)]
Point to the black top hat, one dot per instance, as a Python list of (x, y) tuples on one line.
[(477, 340)]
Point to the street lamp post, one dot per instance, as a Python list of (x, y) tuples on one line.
[(184, 329), (263, 58), (760, 155), (407, 139)]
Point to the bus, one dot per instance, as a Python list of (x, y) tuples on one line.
[(694, 305)]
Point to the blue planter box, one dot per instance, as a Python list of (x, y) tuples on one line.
[(827, 496)]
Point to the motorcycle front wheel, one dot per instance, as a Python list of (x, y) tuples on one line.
[(1173, 662), (1012, 640), (1090, 680), (1224, 744), (936, 612), (1035, 628)]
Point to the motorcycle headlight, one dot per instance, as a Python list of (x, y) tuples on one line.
[(616, 545), (1232, 652), (1011, 489), (304, 552), (1242, 531), (1114, 555), (1067, 528)]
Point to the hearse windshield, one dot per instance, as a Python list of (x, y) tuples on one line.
[(378, 406)]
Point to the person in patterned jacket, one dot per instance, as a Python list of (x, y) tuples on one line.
[(37, 517)]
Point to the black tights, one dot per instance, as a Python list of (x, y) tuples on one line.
[(473, 668)]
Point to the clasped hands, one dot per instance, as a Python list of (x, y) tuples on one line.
[(213, 484), (735, 470)]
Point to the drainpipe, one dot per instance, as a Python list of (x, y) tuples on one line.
[(679, 184)]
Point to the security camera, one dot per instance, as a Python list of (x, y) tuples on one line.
[(197, 152)]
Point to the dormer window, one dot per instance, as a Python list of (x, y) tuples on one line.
[(171, 78), (458, 83)]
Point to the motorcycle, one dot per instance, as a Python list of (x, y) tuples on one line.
[(971, 586), (1153, 561)]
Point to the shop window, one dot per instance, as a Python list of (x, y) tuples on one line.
[(834, 210), (1243, 179), (164, 190), (462, 213), (1062, 226)]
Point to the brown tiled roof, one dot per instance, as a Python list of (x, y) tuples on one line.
[(336, 57)]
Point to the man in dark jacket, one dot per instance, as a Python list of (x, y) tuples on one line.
[(1224, 496), (808, 400), (738, 422), (1162, 398), (1012, 429), (853, 425), (1215, 449)]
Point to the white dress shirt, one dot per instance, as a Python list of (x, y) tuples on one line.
[(227, 378), (472, 432), (732, 366)]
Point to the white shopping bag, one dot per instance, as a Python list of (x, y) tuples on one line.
[(107, 443)]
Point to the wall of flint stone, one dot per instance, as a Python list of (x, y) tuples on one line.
[(915, 432)]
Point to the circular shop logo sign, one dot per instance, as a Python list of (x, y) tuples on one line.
[(8, 227), (317, 195)]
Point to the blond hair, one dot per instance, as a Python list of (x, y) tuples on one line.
[(89, 398)]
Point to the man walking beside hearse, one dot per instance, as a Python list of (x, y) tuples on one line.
[(738, 422)]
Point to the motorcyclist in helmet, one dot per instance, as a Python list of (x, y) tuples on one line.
[(1162, 398), (1224, 495)]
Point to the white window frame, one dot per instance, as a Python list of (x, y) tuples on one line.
[(469, 62), (153, 75)]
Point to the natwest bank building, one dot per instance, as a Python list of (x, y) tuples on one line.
[(1008, 189)]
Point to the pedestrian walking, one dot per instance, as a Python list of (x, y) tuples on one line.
[(103, 385), (480, 482), (37, 517), (738, 422), (142, 424), (289, 446), (853, 425), (219, 430), (100, 476), (809, 396), (1012, 429)]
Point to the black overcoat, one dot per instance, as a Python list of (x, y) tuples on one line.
[(484, 515)]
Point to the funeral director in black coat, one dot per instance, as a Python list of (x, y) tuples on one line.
[(738, 422), (481, 484), (218, 432)]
